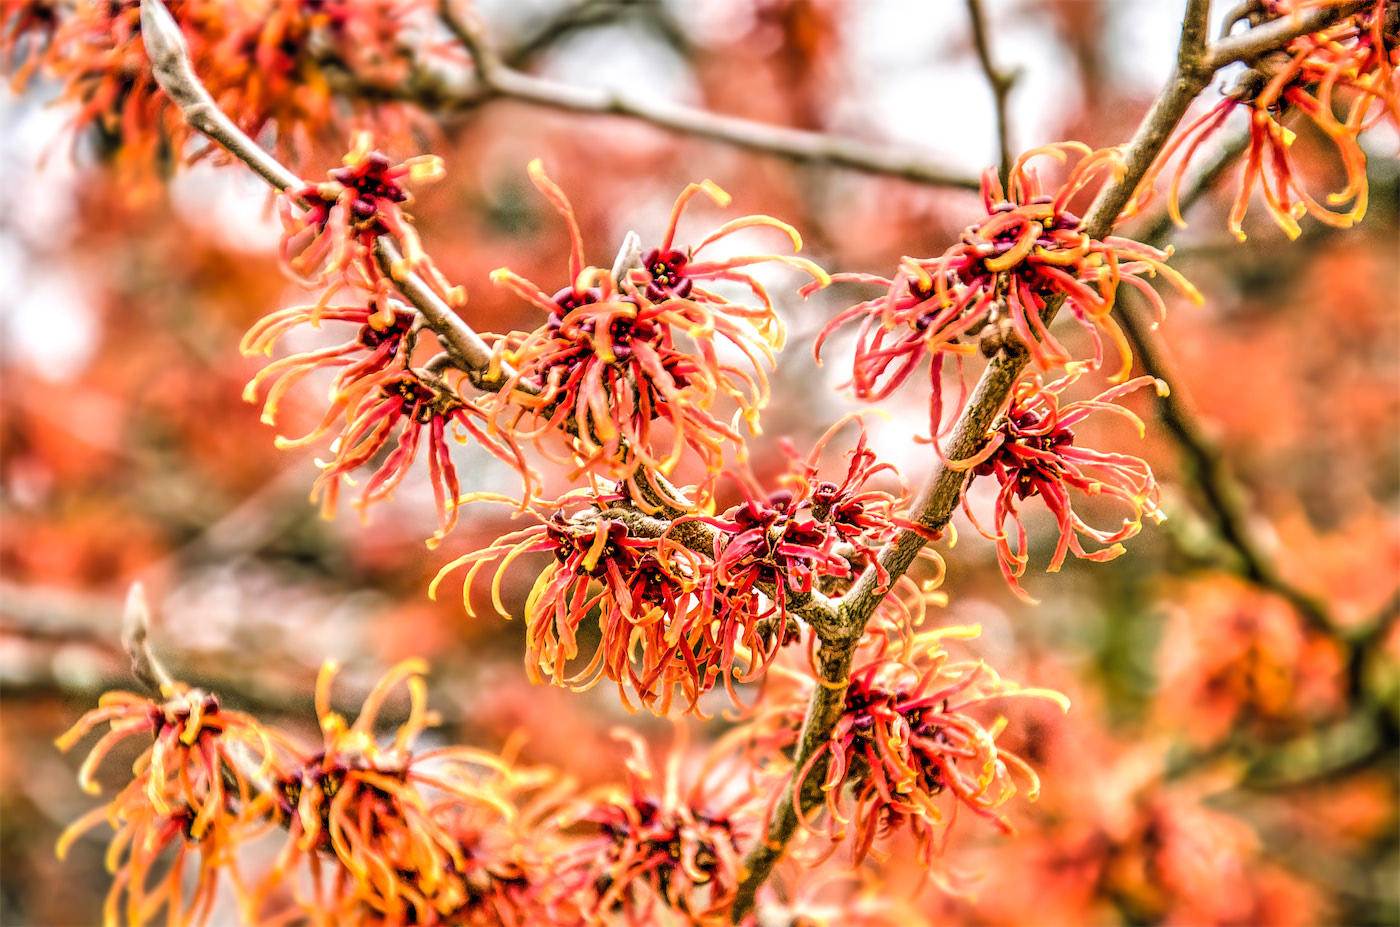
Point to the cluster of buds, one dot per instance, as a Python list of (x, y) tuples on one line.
[(1352, 63), (619, 354), (907, 752)]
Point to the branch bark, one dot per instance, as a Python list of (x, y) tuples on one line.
[(498, 81), (1001, 83)]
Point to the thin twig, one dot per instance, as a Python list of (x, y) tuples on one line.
[(1219, 490), (499, 81), (136, 626), (1001, 83)]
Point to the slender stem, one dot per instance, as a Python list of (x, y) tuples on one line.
[(1001, 83), (136, 629), (499, 81)]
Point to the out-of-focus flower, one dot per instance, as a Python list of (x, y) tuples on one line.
[(193, 788), (657, 848), (375, 390), (392, 821), (906, 753), (615, 357), (1032, 452), (1028, 253), (1235, 657), (1353, 64), (265, 61)]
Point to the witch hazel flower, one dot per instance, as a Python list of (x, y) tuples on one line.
[(993, 288), (642, 591), (1351, 66), (659, 851), (386, 819), (331, 227), (376, 390), (909, 751), (193, 789), (616, 358), (1032, 453)]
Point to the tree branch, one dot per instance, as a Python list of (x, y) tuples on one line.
[(1259, 41), (1001, 83), (170, 62), (501, 82), (935, 504)]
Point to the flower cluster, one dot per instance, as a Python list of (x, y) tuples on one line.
[(1032, 452), (680, 604), (656, 848), (373, 833), (615, 358), (331, 227), (996, 284), (906, 753), (265, 61), (331, 237), (192, 789), (1351, 64)]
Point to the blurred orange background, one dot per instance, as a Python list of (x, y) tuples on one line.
[(1223, 763)]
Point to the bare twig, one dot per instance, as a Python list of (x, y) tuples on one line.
[(1001, 83), (501, 82), (136, 623)]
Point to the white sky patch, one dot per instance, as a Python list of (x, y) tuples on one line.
[(228, 203), (47, 321), (625, 60)]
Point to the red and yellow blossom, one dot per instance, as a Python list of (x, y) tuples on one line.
[(659, 850), (390, 819), (684, 617), (330, 228), (1029, 253), (1352, 65), (376, 390), (660, 630), (908, 751), (1032, 452), (615, 359), (195, 787)]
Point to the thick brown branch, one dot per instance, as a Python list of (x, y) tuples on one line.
[(499, 81)]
